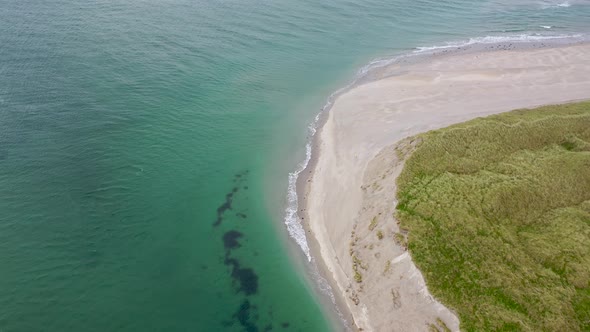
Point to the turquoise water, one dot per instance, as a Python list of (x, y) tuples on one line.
[(145, 148)]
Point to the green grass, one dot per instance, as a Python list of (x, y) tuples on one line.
[(387, 267), (373, 223), (400, 239), (498, 215), (380, 234), (356, 264), (442, 325)]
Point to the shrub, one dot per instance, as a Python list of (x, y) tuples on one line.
[(373, 223), (380, 235)]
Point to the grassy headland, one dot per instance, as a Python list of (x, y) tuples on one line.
[(497, 211)]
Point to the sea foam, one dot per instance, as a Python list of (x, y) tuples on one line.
[(563, 4), (521, 38), (292, 218)]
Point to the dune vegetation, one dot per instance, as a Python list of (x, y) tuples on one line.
[(497, 212)]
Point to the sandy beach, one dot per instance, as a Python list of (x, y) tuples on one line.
[(360, 151)]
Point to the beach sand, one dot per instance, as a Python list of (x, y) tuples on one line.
[(350, 197)]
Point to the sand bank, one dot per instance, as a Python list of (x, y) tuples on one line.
[(351, 193)]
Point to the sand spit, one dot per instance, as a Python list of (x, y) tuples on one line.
[(351, 195)]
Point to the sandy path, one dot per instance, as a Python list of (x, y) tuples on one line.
[(353, 182)]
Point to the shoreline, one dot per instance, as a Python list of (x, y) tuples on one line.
[(304, 184)]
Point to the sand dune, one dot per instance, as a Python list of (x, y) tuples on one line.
[(351, 196)]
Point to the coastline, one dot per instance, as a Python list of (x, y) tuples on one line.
[(324, 198)]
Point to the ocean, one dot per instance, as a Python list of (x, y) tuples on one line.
[(149, 149)]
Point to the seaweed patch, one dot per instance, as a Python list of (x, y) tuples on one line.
[(246, 277), (240, 175), (229, 198), (230, 239), (245, 280), (244, 316)]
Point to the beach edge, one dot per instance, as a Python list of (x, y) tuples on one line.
[(305, 185)]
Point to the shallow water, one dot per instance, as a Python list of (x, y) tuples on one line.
[(145, 148)]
